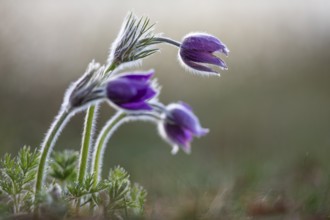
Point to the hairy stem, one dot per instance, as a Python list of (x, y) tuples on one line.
[(86, 142), (88, 133), (118, 119), (100, 144), (46, 147), (167, 40), (85, 146)]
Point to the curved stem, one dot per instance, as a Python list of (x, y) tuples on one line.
[(100, 144), (86, 142), (118, 119), (48, 144), (167, 40), (159, 107)]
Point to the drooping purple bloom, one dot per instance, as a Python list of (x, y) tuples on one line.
[(131, 91), (180, 126), (197, 52)]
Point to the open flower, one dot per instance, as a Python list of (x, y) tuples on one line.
[(197, 51), (131, 91), (179, 126)]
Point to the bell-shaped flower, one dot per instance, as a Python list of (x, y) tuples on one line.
[(197, 53), (180, 126), (131, 91)]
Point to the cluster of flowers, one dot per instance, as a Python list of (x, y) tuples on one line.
[(134, 95)]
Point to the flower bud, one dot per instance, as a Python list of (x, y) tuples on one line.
[(197, 52), (179, 126)]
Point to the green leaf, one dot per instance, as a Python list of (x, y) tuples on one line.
[(63, 165), (17, 175)]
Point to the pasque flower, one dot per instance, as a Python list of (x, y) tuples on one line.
[(131, 91), (180, 126), (134, 95), (197, 52)]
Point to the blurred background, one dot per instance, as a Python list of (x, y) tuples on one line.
[(268, 150)]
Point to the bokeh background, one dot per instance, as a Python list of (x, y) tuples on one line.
[(268, 150)]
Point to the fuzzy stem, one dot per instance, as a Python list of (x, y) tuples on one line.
[(86, 142), (118, 119), (85, 145), (167, 40), (100, 144), (88, 133), (51, 137)]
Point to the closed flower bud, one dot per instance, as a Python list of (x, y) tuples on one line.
[(179, 126), (197, 53)]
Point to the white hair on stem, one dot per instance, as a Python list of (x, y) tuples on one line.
[(50, 139), (109, 128), (91, 139)]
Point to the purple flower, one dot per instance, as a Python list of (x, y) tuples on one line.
[(197, 52), (131, 91), (180, 126)]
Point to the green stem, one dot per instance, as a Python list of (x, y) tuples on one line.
[(167, 40), (86, 142), (48, 144), (100, 144), (88, 134)]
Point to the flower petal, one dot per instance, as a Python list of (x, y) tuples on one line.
[(139, 76), (185, 118), (148, 93), (197, 67), (204, 42), (131, 91), (120, 90), (202, 57), (178, 135)]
